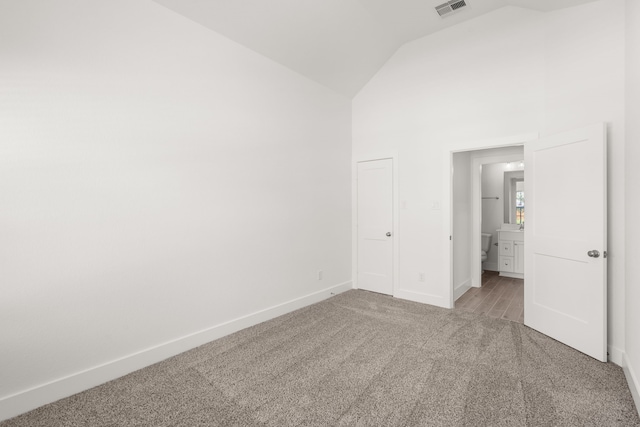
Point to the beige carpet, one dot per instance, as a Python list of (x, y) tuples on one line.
[(362, 359)]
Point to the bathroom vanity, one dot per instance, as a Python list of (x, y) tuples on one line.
[(511, 253)]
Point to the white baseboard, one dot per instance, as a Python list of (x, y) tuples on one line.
[(459, 290), (27, 400), (615, 355), (436, 300), (632, 380)]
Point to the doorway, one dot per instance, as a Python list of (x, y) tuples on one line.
[(498, 297), (565, 292), (481, 206), (466, 208)]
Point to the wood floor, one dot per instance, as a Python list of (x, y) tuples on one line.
[(500, 297)]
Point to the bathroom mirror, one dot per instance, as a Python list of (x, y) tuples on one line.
[(514, 197)]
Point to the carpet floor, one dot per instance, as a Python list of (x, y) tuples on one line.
[(361, 359)]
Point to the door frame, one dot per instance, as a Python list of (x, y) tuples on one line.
[(447, 192), (393, 156)]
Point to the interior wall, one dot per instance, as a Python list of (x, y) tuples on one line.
[(632, 174), (474, 81), (462, 215), (510, 72), (157, 180), (492, 209)]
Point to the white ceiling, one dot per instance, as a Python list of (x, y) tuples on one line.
[(340, 44)]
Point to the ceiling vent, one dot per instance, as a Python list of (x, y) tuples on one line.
[(449, 7)]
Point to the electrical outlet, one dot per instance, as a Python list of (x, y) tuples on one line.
[(319, 274)]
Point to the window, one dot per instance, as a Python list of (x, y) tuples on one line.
[(519, 207)]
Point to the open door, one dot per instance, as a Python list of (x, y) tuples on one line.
[(566, 234)]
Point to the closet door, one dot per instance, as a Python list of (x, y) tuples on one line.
[(375, 225)]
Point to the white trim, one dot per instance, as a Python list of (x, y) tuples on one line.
[(24, 401), (447, 182), (393, 155), (461, 289), (486, 144), (632, 380), (615, 355), (423, 298), (447, 228)]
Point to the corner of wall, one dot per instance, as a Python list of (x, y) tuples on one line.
[(461, 288), (615, 355)]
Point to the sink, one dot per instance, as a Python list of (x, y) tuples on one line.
[(510, 227)]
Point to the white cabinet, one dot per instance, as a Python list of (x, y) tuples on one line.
[(511, 253), (518, 257)]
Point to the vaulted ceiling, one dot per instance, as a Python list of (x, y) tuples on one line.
[(340, 44)]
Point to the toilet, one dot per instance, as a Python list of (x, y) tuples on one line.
[(486, 245)]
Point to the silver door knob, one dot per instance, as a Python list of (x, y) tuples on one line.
[(593, 254), (388, 234)]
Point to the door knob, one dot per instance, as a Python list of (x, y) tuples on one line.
[(593, 254), (388, 234)]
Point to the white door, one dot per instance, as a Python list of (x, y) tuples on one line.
[(375, 222), (566, 239)]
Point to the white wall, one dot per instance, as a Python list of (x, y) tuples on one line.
[(471, 82), (510, 72), (632, 184), (492, 209), (157, 180), (462, 213)]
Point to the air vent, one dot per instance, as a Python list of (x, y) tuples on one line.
[(449, 7)]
